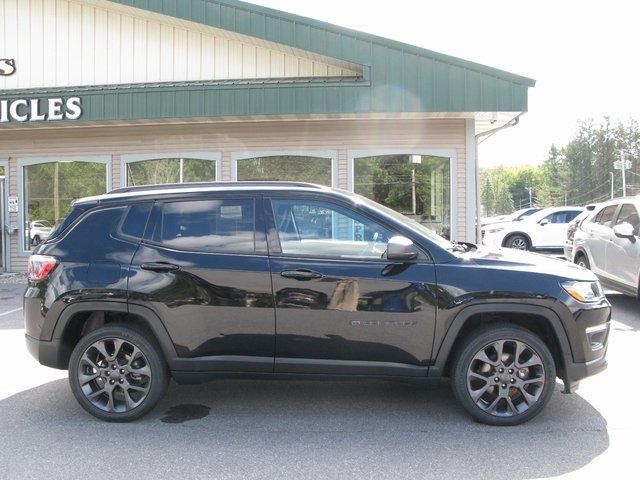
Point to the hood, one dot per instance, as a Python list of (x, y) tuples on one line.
[(508, 259)]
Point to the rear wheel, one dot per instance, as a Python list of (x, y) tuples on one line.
[(518, 242), (117, 374), (503, 375), (583, 261)]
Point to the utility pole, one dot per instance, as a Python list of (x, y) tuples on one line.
[(612, 181), (415, 160), (624, 165), (530, 197)]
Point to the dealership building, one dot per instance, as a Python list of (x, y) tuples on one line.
[(97, 94)]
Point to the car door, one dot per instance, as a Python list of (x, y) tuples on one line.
[(340, 306), (600, 234), (552, 230), (203, 269), (623, 254)]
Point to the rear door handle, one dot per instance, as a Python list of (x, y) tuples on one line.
[(301, 274), (160, 267)]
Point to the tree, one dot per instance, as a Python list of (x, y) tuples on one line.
[(488, 197)]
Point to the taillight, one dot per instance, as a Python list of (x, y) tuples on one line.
[(40, 266)]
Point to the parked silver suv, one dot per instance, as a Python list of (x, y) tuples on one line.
[(608, 243)]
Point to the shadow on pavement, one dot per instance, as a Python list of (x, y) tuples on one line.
[(625, 309), (295, 429)]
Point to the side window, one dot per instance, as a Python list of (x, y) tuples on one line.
[(135, 220), (322, 229), (563, 216), (214, 226), (629, 214), (606, 218)]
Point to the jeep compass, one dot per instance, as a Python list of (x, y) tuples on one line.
[(270, 279)]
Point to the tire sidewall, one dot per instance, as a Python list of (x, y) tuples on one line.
[(512, 238), (159, 375), (486, 337), (587, 265)]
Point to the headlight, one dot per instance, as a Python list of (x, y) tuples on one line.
[(495, 230), (585, 292)]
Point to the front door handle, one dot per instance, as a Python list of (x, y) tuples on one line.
[(160, 267), (301, 274)]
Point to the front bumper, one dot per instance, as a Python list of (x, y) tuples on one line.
[(574, 372)]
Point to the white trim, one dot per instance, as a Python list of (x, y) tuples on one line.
[(451, 154), (6, 258), (472, 206), (26, 161), (142, 157), (245, 155)]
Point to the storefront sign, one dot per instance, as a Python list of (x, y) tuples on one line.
[(7, 66), (12, 204), (40, 109)]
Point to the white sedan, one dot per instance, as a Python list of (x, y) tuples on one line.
[(543, 230)]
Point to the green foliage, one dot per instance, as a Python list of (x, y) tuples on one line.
[(576, 174)]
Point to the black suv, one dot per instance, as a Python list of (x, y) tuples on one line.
[(203, 281)]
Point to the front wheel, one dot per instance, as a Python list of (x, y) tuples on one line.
[(583, 261), (117, 374), (503, 375), (518, 242)]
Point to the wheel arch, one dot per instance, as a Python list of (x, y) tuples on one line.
[(474, 316), (80, 318), (580, 251)]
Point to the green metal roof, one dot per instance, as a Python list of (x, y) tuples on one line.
[(397, 77)]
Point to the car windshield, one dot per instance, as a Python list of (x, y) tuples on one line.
[(408, 222)]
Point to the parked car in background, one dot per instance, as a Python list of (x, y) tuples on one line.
[(608, 243), (514, 217), (542, 230), (39, 231), (573, 226)]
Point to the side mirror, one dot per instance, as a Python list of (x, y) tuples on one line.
[(401, 249), (624, 230), (544, 221)]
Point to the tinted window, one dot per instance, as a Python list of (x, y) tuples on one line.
[(222, 225), (606, 217), (564, 216), (629, 214), (322, 229), (135, 220)]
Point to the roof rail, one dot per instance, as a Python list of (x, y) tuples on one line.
[(177, 186)]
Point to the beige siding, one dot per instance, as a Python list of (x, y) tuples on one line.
[(324, 135), (73, 42)]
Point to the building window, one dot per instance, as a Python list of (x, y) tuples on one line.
[(292, 168), (418, 186), (50, 187), (159, 171)]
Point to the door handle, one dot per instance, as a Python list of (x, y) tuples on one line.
[(301, 274), (160, 267)]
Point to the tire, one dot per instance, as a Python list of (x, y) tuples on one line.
[(137, 368), (583, 261), (492, 406), (518, 242)]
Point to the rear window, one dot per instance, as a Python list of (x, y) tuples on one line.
[(63, 224), (211, 225)]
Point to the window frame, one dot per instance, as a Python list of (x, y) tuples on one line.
[(128, 159), (260, 241), (29, 161), (273, 238), (251, 154), (451, 154)]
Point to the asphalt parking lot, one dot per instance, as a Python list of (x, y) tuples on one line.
[(313, 429)]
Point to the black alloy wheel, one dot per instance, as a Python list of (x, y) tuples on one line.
[(116, 374), (504, 375)]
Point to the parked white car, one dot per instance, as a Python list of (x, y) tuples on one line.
[(514, 217), (608, 243), (543, 230), (39, 231)]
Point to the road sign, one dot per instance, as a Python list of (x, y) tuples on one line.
[(620, 165)]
